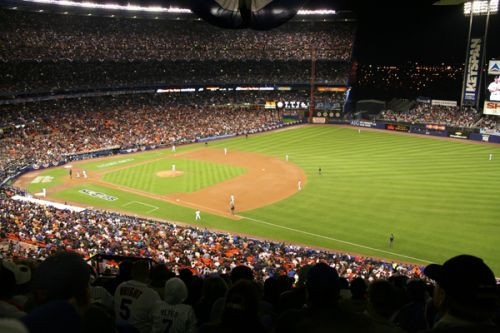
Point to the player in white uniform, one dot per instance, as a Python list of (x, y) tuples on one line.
[(491, 157), (494, 89), (225, 151), (286, 157), (299, 185), (231, 199), (197, 215), (171, 315), (134, 300), (173, 149), (84, 174)]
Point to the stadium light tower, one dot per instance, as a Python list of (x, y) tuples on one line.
[(471, 9)]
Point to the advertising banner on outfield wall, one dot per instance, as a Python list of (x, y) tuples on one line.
[(319, 120), (442, 102), (492, 108), (473, 72)]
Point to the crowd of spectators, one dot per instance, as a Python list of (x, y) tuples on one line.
[(49, 37), (44, 52), (31, 77), (63, 292), (440, 115), (91, 232), (44, 132)]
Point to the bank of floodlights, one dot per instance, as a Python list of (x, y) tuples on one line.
[(481, 7), (151, 9)]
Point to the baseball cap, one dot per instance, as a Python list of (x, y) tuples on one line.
[(464, 278), (175, 291)]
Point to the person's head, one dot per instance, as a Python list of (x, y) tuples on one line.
[(416, 290), (125, 269), (358, 288), (214, 287), (140, 271), (242, 301), (465, 288), (176, 291), (159, 275), (382, 298), (322, 285), (241, 272), (497, 79), (63, 276)]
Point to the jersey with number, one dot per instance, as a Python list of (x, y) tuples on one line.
[(179, 318), (134, 301)]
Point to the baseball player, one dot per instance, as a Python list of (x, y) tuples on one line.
[(319, 171), (44, 192), (299, 185), (494, 89), (231, 199), (391, 240), (134, 300), (491, 157), (84, 174), (225, 151), (71, 173), (197, 215), (231, 207), (171, 315), (173, 149), (286, 157)]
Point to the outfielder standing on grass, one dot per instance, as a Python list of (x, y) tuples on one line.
[(391, 240)]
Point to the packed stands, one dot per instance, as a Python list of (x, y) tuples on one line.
[(440, 115), (47, 52)]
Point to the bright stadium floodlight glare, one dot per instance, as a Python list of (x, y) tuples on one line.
[(316, 12), (481, 7), (152, 9)]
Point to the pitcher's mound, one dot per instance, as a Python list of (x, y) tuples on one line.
[(169, 174)]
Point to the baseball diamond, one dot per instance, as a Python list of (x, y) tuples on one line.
[(431, 185)]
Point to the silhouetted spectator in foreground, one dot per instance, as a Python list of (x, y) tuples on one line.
[(465, 295), (382, 304), (240, 312), (323, 314)]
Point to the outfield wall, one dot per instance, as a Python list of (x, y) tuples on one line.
[(474, 134)]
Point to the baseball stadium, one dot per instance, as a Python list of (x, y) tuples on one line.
[(249, 166)]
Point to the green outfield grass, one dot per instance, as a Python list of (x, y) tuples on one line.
[(439, 198), (196, 175)]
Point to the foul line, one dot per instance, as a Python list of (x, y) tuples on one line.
[(335, 239), (142, 203)]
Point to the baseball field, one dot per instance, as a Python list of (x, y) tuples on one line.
[(438, 197)]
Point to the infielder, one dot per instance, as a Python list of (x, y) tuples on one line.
[(231, 199), (225, 151), (286, 157), (299, 185), (84, 174)]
